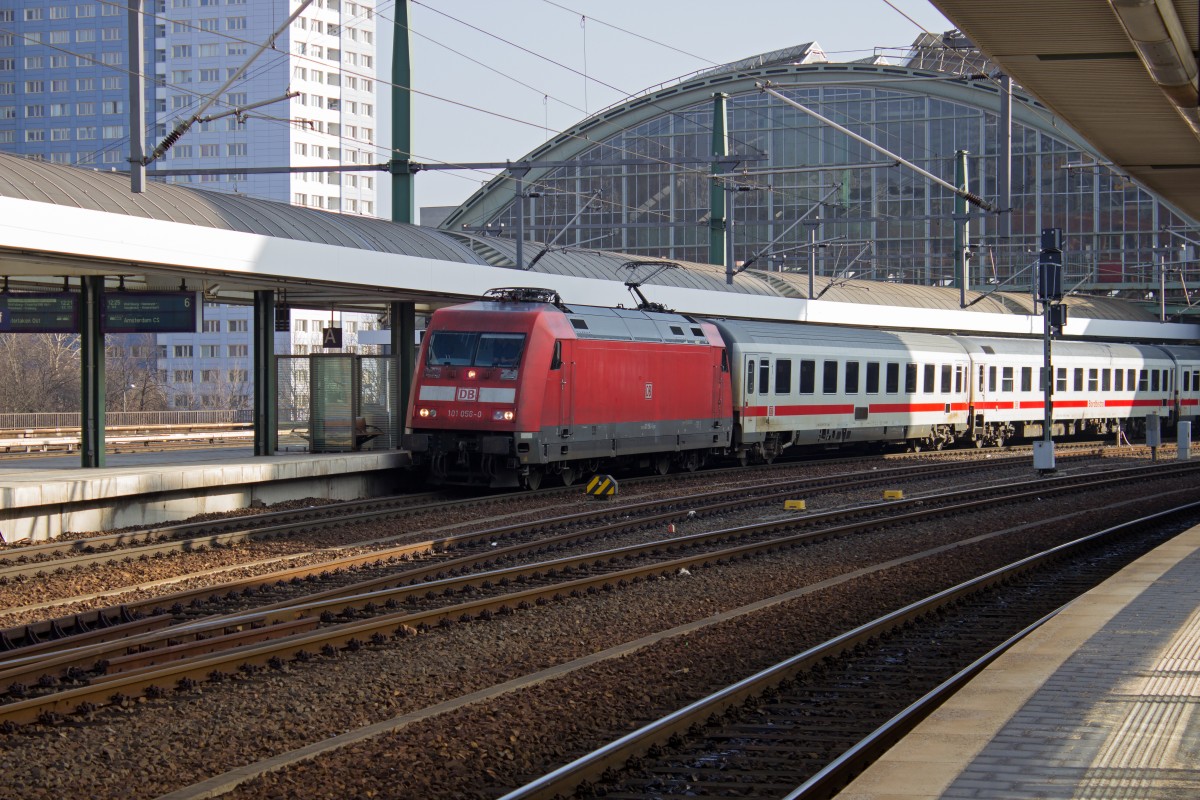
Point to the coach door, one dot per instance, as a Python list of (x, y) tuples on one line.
[(757, 397)]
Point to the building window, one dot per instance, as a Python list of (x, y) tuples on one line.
[(114, 132), (183, 351), (239, 350), (238, 376), (182, 376), (236, 149), (235, 23), (238, 326)]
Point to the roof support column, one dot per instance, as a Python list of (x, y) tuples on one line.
[(403, 193), (91, 357), (266, 415), (404, 337), (717, 229), (962, 230)]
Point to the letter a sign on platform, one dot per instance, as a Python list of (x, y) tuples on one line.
[(331, 337)]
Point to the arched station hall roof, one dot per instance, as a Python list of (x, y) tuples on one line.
[(95, 190)]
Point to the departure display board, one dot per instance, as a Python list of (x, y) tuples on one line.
[(39, 312), (150, 312)]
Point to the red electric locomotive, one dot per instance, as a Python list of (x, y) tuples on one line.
[(519, 386)]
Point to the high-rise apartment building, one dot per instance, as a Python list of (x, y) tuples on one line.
[(64, 91), (64, 97)]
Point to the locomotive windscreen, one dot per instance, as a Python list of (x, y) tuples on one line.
[(474, 349)]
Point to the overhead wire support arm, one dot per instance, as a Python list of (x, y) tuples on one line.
[(767, 248), (186, 124), (970, 197), (550, 244), (241, 110)]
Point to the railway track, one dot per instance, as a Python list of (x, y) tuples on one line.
[(82, 679), (805, 727)]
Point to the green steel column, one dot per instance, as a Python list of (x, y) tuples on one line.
[(403, 195), (404, 335), (266, 414), (717, 229), (91, 356), (962, 230)]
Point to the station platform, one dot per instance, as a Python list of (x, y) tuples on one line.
[(1100, 702), (41, 498)]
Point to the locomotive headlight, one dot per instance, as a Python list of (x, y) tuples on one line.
[(472, 374), (427, 412), (503, 416)]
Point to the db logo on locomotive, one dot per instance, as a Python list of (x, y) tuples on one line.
[(468, 393)]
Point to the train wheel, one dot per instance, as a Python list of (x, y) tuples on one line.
[(662, 465), (569, 474), (692, 462), (534, 479)]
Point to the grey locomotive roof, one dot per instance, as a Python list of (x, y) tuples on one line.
[(109, 191), (619, 324)]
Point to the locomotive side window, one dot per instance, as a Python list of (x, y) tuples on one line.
[(830, 378), (556, 359), (783, 376), (872, 377), (930, 376), (851, 377), (1026, 379), (1119, 384), (892, 379), (946, 383), (910, 378), (1105, 380), (1093, 380), (808, 377)]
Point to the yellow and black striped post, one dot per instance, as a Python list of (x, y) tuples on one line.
[(602, 486)]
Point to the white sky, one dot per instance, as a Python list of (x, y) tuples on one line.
[(617, 64)]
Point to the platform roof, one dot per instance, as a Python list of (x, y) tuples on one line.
[(1081, 62), (311, 255)]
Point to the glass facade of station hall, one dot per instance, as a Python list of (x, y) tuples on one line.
[(877, 220)]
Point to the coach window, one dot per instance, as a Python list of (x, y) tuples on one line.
[(992, 384), (1187, 381), (1106, 380), (891, 383), (1119, 380), (1026, 379), (783, 376), (1006, 379), (808, 377), (959, 371), (851, 377), (930, 378), (1131, 380), (947, 371), (910, 378), (1154, 380), (764, 376), (750, 376), (1093, 380), (872, 377), (1060, 380), (1079, 379), (829, 380), (1143, 380)]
